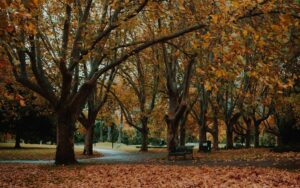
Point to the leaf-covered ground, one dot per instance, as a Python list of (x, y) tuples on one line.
[(139, 175), (251, 154)]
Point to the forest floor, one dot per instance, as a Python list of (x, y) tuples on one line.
[(261, 157), (143, 175), (125, 166)]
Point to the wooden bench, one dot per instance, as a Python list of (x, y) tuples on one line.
[(181, 151)]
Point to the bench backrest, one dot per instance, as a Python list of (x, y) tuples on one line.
[(183, 149)]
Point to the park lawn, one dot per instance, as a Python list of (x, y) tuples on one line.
[(141, 175), (35, 152), (250, 154)]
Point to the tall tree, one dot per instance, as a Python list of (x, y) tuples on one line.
[(50, 43), (143, 83)]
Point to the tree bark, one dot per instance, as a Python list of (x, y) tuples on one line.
[(216, 140), (202, 136), (88, 140), (182, 134), (279, 141), (144, 133), (215, 129), (18, 139), (229, 137), (65, 140), (182, 129), (248, 131), (256, 135), (109, 135), (101, 133), (172, 134), (120, 135), (144, 147)]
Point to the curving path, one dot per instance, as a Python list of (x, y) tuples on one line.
[(113, 156), (109, 156), (116, 157)]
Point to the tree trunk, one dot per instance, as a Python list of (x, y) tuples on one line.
[(18, 139), (229, 137), (65, 140), (182, 134), (182, 129), (144, 147), (248, 136), (172, 134), (256, 135), (248, 131), (279, 141), (109, 134), (88, 140), (202, 136), (216, 140), (216, 130), (120, 135), (101, 133), (144, 133)]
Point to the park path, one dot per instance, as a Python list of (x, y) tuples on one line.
[(113, 156), (110, 156)]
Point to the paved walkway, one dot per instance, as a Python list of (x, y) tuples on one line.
[(109, 156), (113, 156), (118, 157)]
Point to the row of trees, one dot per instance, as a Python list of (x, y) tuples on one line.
[(222, 58)]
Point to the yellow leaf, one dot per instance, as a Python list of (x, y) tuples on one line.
[(219, 73), (215, 18), (207, 86)]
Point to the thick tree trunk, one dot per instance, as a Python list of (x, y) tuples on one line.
[(144, 133), (216, 140), (172, 134), (229, 137), (18, 140), (182, 129), (65, 140), (144, 147), (182, 134), (256, 135), (88, 140), (202, 136)]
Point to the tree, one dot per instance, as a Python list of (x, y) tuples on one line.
[(143, 83), (51, 50), (95, 102)]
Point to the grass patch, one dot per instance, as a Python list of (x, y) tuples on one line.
[(35, 152)]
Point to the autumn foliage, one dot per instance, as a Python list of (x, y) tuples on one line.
[(227, 68)]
